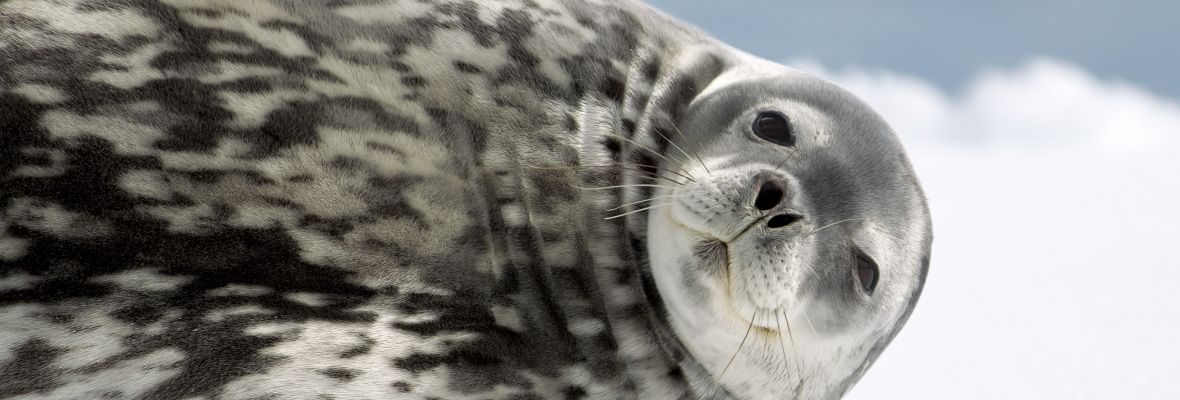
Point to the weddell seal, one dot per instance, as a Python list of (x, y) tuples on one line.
[(433, 199)]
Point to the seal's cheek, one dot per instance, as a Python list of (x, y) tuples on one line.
[(688, 268)]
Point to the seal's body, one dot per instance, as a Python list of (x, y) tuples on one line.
[(205, 199)]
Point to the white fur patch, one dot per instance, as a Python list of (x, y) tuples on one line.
[(130, 378), (281, 40), (367, 46), (12, 248), (143, 280), (54, 219), (240, 290), (312, 347), (378, 82), (133, 70), (18, 281), (251, 109), (229, 71), (127, 136), (39, 93), (228, 313), (149, 184), (308, 299), (112, 24), (185, 219), (56, 167), (386, 13)]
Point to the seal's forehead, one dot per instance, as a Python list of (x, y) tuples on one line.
[(776, 80), (829, 115)]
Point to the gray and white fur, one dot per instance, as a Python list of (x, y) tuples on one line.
[(432, 199)]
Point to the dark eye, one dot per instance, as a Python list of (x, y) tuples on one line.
[(867, 272), (774, 127)]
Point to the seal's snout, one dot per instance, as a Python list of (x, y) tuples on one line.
[(772, 197), (733, 203)]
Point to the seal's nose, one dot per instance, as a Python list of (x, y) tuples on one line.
[(771, 194), (781, 220)]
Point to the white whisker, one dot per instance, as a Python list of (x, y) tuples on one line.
[(647, 200), (794, 350), (619, 165), (780, 340), (673, 143), (639, 210), (809, 323), (681, 133), (833, 224), (624, 186), (739, 349), (653, 152)]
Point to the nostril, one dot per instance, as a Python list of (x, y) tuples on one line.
[(781, 220), (769, 196)]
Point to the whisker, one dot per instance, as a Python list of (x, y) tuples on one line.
[(803, 310), (810, 270), (780, 164), (780, 338), (673, 143), (636, 167), (579, 167), (624, 186), (743, 343), (833, 224), (645, 174), (791, 335), (646, 200), (618, 128), (635, 211), (894, 237), (698, 157), (653, 152), (574, 167), (658, 177), (795, 351), (809, 323), (689, 177)]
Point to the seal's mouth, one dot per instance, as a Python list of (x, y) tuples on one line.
[(747, 228), (715, 253)]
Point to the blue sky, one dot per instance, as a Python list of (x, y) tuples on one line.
[(1044, 135), (948, 41)]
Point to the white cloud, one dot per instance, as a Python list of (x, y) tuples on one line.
[(1044, 105), (1056, 205)]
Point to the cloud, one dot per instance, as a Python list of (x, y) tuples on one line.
[(1054, 198), (1044, 105)]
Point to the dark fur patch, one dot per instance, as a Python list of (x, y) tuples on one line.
[(341, 374), (30, 370)]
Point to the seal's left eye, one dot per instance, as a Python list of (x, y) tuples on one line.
[(867, 272), (774, 127)]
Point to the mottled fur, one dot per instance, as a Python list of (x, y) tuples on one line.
[(348, 199), (240, 199)]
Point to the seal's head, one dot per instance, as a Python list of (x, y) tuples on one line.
[(801, 244)]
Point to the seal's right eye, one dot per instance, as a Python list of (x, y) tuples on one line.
[(774, 127)]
